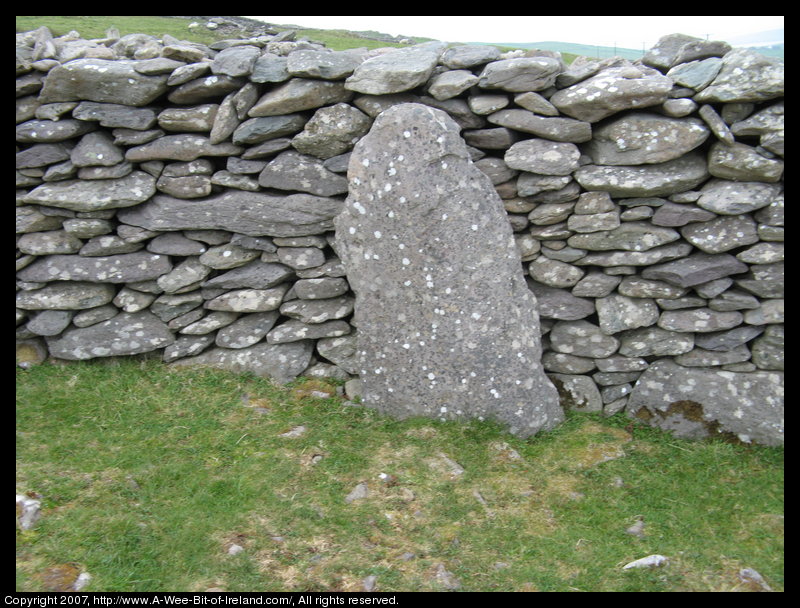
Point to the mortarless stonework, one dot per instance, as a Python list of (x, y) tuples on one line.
[(447, 326)]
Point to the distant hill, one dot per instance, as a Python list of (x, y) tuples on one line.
[(589, 50)]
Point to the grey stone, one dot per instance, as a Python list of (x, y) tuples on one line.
[(746, 75), (520, 74), (728, 340), (555, 128), (431, 347), (300, 94), (50, 131), (264, 128), (767, 351), (173, 243), (629, 236), (109, 244), (204, 89), (699, 320), (318, 311), (280, 362), (41, 155), (68, 295), (612, 90), (734, 198), (124, 334), (583, 339), (209, 323), (49, 322), (396, 71), (270, 68), (469, 55), (767, 124), (618, 313), (103, 81), (721, 234), (325, 64), (130, 300), (674, 214), (741, 163), (249, 300), (644, 138), (321, 288), (292, 170), (123, 268), (695, 403), (247, 330), (557, 303), (199, 118), (224, 257), (554, 273), (577, 393), (187, 346), (255, 275), (543, 157), (660, 179), (186, 274), (47, 243), (670, 48), (451, 83), (697, 74), (332, 130), (295, 330), (236, 60), (696, 269), (249, 213), (183, 147), (654, 342)]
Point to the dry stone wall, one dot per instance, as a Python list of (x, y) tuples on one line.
[(179, 199)]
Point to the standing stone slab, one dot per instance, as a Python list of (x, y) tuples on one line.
[(447, 326)]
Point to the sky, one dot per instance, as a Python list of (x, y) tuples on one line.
[(623, 31)]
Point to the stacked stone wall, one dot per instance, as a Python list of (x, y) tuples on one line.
[(178, 199)]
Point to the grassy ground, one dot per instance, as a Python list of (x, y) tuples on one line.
[(148, 475)]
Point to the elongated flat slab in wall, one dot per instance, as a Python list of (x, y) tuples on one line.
[(447, 326)]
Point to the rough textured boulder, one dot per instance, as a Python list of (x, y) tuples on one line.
[(695, 403), (447, 326)]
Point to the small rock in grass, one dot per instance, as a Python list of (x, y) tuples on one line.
[(359, 492), (651, 561)]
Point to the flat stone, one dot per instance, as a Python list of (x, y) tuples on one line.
[(265, 128), (246, 331), (325, 64), (722, 233), (50, 131), (618, 313), (520, 74), (332, 130), (123, 268), (746, 75), (660, 179), (543, 156), (654, 342), (204, 89), (583, 339), (249, 213), (469, 55), (396, 71), (124, 334), (447, 326), (742, 163), (556, 128), (280, 362), (249, 300), (67, 295), (644, 138), (299, 94), (695, 403), (292, 170), (103, 81), (255, 275), (612, 90), (696, 269), (185, 147), (629, 236)]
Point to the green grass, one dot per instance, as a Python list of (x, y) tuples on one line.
[(147, 474)]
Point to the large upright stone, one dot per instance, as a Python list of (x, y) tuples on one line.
[(447, 326)]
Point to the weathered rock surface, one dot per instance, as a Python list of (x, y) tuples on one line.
[(695, 403), (441, 345)]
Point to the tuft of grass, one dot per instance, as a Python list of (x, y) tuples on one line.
[(148, 476)]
